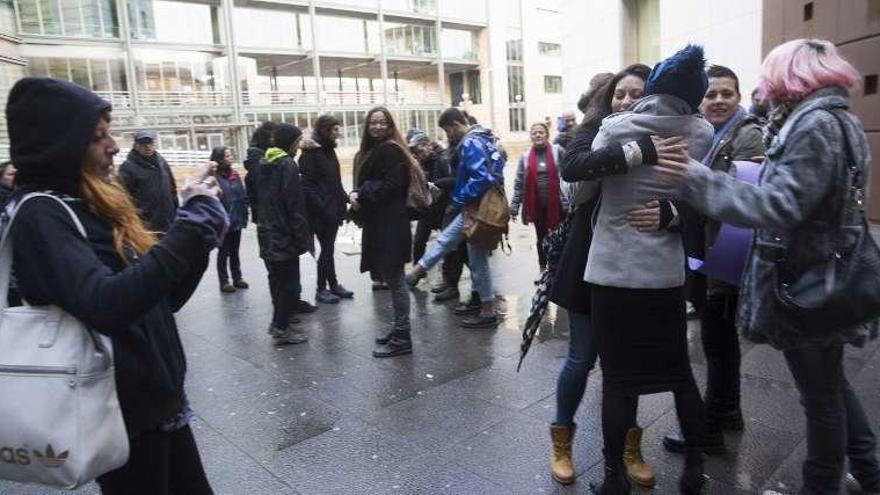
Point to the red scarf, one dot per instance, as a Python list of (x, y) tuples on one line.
[(530, 203)]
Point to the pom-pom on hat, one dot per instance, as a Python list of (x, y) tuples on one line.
[(682, 75)]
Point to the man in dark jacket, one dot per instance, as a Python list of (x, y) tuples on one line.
[(436, 168), (481, 166), (283, 232), (737, 137), (326, 202), (149, 181)]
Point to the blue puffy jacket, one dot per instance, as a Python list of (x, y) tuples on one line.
[(480, 166)]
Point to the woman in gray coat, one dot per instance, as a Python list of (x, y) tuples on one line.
[(812, 140)]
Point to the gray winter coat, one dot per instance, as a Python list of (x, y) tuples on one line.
[(520, 183), (796, 205), (621, 256)]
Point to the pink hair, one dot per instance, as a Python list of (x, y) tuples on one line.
[(796, 68)]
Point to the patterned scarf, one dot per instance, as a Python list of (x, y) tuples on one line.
[(775, 120)]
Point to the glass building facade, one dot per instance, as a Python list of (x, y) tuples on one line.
[(205, 72)]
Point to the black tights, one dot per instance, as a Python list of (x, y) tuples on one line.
[(619, 415)]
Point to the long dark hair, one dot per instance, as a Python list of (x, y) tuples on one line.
[(600, 107), (217, 154), (369, 142)]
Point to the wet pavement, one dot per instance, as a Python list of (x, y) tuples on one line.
[(454, 417)]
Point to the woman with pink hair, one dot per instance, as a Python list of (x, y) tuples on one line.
[(811, 191)]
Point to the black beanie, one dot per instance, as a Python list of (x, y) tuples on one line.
[(51, 123), (285, 135)]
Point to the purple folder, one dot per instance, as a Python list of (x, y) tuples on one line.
[(727, 257)]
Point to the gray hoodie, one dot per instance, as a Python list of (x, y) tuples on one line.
[(621, 256)]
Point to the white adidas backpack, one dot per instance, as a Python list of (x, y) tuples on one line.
[(61, 423)]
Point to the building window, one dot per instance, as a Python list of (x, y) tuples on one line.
[(517, 119), (458, 43), (174, 22), (514, 50), (550, 49), (553, 84), (78, 18), (515, 84), (409, 39), (475, 90)]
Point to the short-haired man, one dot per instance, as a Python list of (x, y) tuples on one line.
[(565, 125), (737, 137), (480, 166), (148, 179)]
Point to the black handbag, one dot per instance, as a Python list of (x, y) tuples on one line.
[(843, 292)]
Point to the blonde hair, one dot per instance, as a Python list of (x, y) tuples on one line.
[(110, 202)]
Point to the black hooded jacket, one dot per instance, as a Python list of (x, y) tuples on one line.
[(151, 185), (283, 231), (252, 166), (326, 199), (131, 302)]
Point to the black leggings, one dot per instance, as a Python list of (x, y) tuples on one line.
[(159, 463), (619, 415), (326, 265)]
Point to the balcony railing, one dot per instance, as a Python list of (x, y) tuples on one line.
[(161, 99), (209, 99)]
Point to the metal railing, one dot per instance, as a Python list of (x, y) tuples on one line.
[(159, 99), (335, 97), (207, 99)]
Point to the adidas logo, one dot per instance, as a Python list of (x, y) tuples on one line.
[(49, 459)]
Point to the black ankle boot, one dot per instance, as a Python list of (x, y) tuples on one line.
[(692, 479), (397, 345), (615, 482)]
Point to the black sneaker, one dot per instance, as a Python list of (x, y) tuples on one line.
[(301, 306), (396, 346), (384, 340), (712, 444), (479, 321), (439, 288), (447, 294)]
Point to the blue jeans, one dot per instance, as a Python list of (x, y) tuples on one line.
[(582, 354), (449, 240)]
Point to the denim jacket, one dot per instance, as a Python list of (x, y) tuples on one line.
[(796, 206)]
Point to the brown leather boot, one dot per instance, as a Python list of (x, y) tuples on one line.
[(636, 468), (561, 467)]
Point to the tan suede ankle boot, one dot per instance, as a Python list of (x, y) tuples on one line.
[(561, 467), (636, 468)]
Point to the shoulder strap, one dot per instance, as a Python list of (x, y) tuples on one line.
[(854, 200), (6, 244)]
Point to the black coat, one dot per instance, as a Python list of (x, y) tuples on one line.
[(283, 230), (252, 166), (436, 169), (133, 304), (326, 199), (569, 289), (383, 182), (151, 184)]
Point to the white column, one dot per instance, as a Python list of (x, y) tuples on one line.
[(130, 72), (383, 58), (316, 62), (441, 69)]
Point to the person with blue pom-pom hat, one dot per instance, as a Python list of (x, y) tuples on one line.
[(636, 277)]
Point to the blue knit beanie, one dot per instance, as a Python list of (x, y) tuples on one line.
[(682, 75)]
